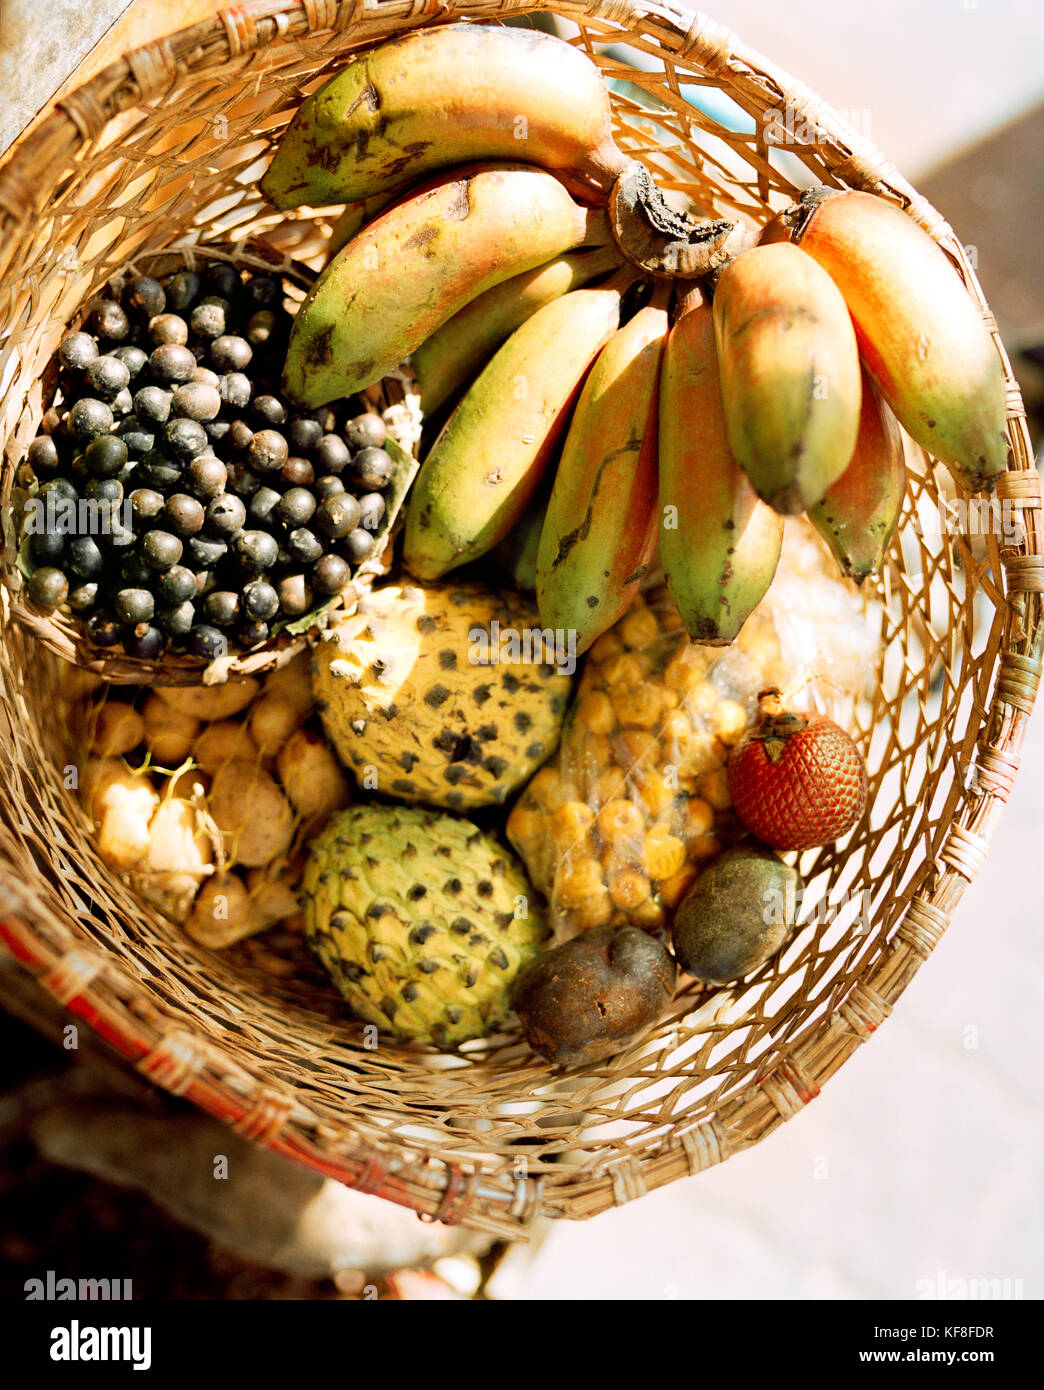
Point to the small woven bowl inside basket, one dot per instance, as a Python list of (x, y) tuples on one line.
[(67, 638), (166, 146)]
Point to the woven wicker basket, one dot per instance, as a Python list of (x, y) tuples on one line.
[(169, 142)]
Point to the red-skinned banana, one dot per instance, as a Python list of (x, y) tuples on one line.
[(858, 516), (719, 543), (491, 455), (789, 370), (599, 532), (405, 274), (921, 335)]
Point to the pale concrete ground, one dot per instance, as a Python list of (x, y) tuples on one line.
[(919, 1165)]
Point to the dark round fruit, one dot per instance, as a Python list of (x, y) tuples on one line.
[(240, 479), (181, 289), (161, 549), (260, 290), (47, 547), (106, 455), (84, 557), (48, 588), (327, 417), (330, 574), (109, 321), (60, 487), (177, 619), (183, 514), (221, 607), (298, 472), (132, 358), (168, 328), (230, 353), (105, 490), (261, 327), (252, 634), (365, 432), (145, 644), (235, 389), (256, 551), (196, 400), (123, 403), (134, 606), (260, 600), (83, 597), (207, 642), (269, 410), (104, 629), (209, 317), (304, 546), (205, 476), (263, 504), (146, 503), (119, 536), (371, 468), (336, 516), (371, 510), (267, 451), (217, 430), (176, 585), (305, 433), (43, 456), (223, 279), (240, 435), (145, 297), (296, 507), (358, 544), (226, 514), (89, 418), (207, 377), (152, 404), (155, 471), (171, 363), (184, 439), (77, 351), (328, 486), (204, 552), (138, 438), (331, 454), (107, 376), (295, 595)]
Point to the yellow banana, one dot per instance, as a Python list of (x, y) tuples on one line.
[(456, 352), (353, 219), (858, 516), (418, 264), (719, 544), (488, 461), (789, 370), (439, 97), (599, 533), (922, 337)]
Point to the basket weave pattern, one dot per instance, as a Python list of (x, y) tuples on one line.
[(166, 146)]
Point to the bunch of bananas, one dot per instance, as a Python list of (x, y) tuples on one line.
[(694, 382)]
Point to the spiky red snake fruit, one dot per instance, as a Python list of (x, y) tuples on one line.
[(796, 781)]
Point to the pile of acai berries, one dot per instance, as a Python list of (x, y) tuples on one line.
[(182, 500)]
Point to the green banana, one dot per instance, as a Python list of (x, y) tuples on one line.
[(441, 97), (456, 352), (418, 264), (719, 544), (600, 530), (489, 459)]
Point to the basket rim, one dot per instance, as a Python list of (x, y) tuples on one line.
[(161, 1045)]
